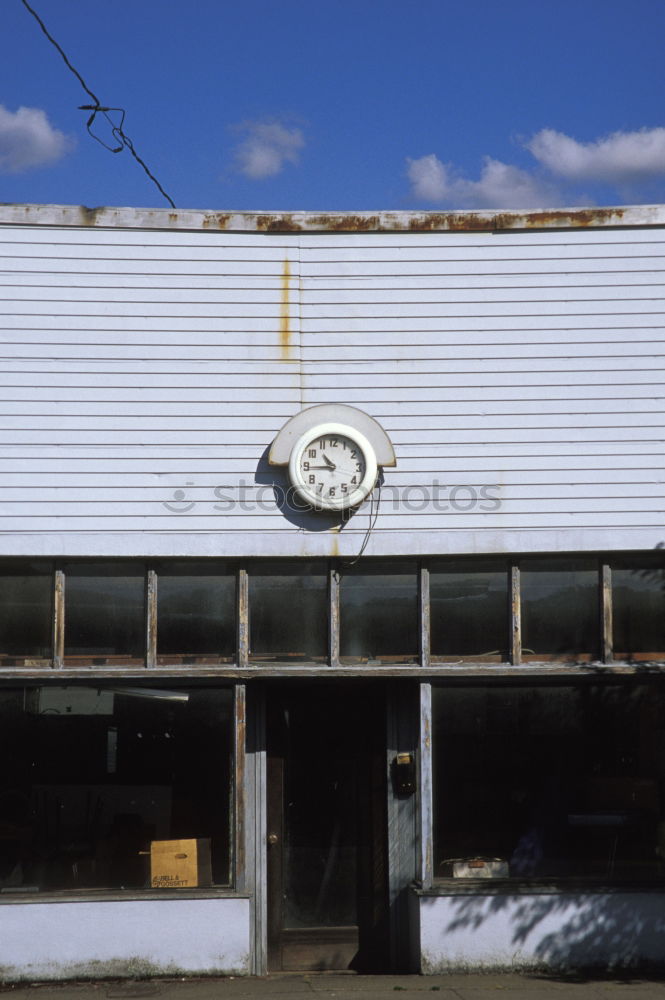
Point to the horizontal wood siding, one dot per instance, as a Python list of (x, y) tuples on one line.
[(144, 374)]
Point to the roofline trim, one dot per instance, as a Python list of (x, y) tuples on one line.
[(626, 216)]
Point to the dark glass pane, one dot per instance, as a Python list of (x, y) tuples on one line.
[(469, 610), (104, 612), (379, 612), (554, 781), (560, 609), (288, 611), (638, 602), (196, 612), (91, 776), (323, 784), (26, 612)]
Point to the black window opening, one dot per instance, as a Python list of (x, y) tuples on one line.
[(92, 777), (566, 610), (550, 782)]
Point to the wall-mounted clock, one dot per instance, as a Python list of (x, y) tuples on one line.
[(333, 466), (333, 453)]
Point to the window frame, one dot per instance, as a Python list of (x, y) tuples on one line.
[(425, 663)]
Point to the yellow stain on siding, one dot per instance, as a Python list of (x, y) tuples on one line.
[(284, 321)]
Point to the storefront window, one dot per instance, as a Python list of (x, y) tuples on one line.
[(560, 781), (26, 613), (288, 611), (469, 610), (105, 613), (638, 597), (560, 619), (92, 777), (379, 613), (196, 617)]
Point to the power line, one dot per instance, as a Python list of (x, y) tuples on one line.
[(97, 108)]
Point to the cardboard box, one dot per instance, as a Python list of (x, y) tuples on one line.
[(180, 863), (481, 868)]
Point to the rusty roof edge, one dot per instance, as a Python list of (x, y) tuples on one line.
[(332, 222)]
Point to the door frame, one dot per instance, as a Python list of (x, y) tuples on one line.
[(364, 944), (407, 845)]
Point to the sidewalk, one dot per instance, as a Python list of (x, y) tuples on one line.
[(351, 987)]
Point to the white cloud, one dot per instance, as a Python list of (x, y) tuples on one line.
[(619, 158), (499, 186), (28, 140), (267, 148)]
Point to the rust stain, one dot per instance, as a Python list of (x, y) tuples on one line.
[(334, 547), (425, 222), (284, 324), (345, 223), (89, 216), (277, 224), (216, 220)]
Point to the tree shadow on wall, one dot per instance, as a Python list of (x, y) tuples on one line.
[(568, 933)]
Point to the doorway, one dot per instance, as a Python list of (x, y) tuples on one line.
[(327, 867)]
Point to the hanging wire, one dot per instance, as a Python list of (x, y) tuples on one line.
[(373, 515), (98, 109)]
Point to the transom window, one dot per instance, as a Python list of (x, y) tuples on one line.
[(430, 613)]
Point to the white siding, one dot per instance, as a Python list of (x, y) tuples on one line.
[(136, 363)]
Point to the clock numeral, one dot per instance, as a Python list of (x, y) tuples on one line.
[(311, 479), (334, 442), (322, 443), (311, 453), (331, 491), (344, 488), (354, 480), (359, 467), (305, 466), (319, 487), (354, 453)]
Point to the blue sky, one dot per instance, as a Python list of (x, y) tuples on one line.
[(338, 104)]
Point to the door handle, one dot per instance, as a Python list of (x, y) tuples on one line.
[(273, 839)]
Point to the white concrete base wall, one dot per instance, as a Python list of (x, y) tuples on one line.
[(564, 930), (116, 938)]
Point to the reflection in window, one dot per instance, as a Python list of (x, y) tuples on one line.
[(104, 613), (155, 766), (469, 610), (556, 781), (638, 597), (26, 612), (196, 604), (288, 611), (379, 612), (559, 609)]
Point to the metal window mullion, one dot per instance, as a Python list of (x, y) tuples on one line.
[(424, 615), (151, 618), (58, 637), (606, 626), (515, 615), (333, 616), (243, 617)]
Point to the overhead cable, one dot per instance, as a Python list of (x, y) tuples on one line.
[(98, 109)]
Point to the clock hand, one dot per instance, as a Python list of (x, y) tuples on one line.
[(331, 465)]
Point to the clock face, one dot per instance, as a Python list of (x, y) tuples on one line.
[(333, 468)]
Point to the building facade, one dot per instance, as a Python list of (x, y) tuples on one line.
[(332, 562)]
